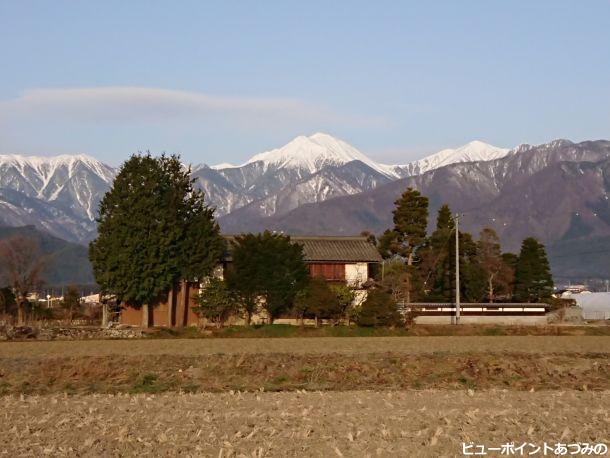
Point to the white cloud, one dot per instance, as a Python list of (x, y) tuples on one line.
[(121, 104)]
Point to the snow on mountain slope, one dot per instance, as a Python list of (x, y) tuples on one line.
[(352, 178), (309, 169), (474, 151), (312, 154), (78, 181)]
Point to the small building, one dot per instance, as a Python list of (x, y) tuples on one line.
[(595, 306), (337, 259)]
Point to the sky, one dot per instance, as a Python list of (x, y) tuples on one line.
[(221, 81)]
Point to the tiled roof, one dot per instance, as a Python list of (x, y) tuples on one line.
[(336, 249), (354, 249)]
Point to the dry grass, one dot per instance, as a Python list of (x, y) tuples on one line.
[(290, 372), (211, 397), (358, 424), (310, 345)]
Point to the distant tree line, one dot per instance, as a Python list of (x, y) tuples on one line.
[(420, 267)]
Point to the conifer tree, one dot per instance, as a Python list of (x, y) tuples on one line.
[(442, 252), (154, 230), (442, 264), (407, 236), (410, 224), (444, 219), (533, 280)]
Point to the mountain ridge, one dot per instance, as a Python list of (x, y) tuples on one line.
[(507, 193)]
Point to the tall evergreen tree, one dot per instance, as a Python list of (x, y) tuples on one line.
[(444, 219), (407, 236), (410, 224), (533, 280), (442, 265), (385, 242), (442, 261), (154, 230), (472, 275)]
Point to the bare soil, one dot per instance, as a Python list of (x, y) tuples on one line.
[(326, 424), (377, 396)]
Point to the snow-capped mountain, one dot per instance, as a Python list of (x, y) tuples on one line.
[(474, 151), (79, 181), (305, 170), (62, 193), (313, 169), (314, 153), (558, 192)]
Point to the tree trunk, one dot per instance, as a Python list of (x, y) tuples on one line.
[(145, 316), (408, 295), (20, 312), (182, 309), (104, 315), (302, 321), (491, 289), (317, 321), (248, 318), (170, 307)]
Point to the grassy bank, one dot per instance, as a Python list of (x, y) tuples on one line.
[(289, 372), (286, 330)]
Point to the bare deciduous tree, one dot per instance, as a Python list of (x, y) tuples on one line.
[(490, 258), (22, 263)]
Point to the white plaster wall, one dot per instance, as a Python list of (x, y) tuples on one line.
[(484, 319), (356, 273)]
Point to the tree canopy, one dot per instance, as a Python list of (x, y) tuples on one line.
[(533, 280), (267, 266), (318, 300), (410, 224), (154, 229), (215, 302), (486, 272)]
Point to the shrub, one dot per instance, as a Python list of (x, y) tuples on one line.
[(215, 303), (379, 309), (318, 300)]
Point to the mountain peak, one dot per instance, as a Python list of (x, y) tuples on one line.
[(472, 151), (315, 152)]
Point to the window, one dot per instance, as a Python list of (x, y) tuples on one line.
[(334, 272)]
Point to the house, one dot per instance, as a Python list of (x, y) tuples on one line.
[(346, 260)]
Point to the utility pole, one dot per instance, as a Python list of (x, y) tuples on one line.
[(457, 268)]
